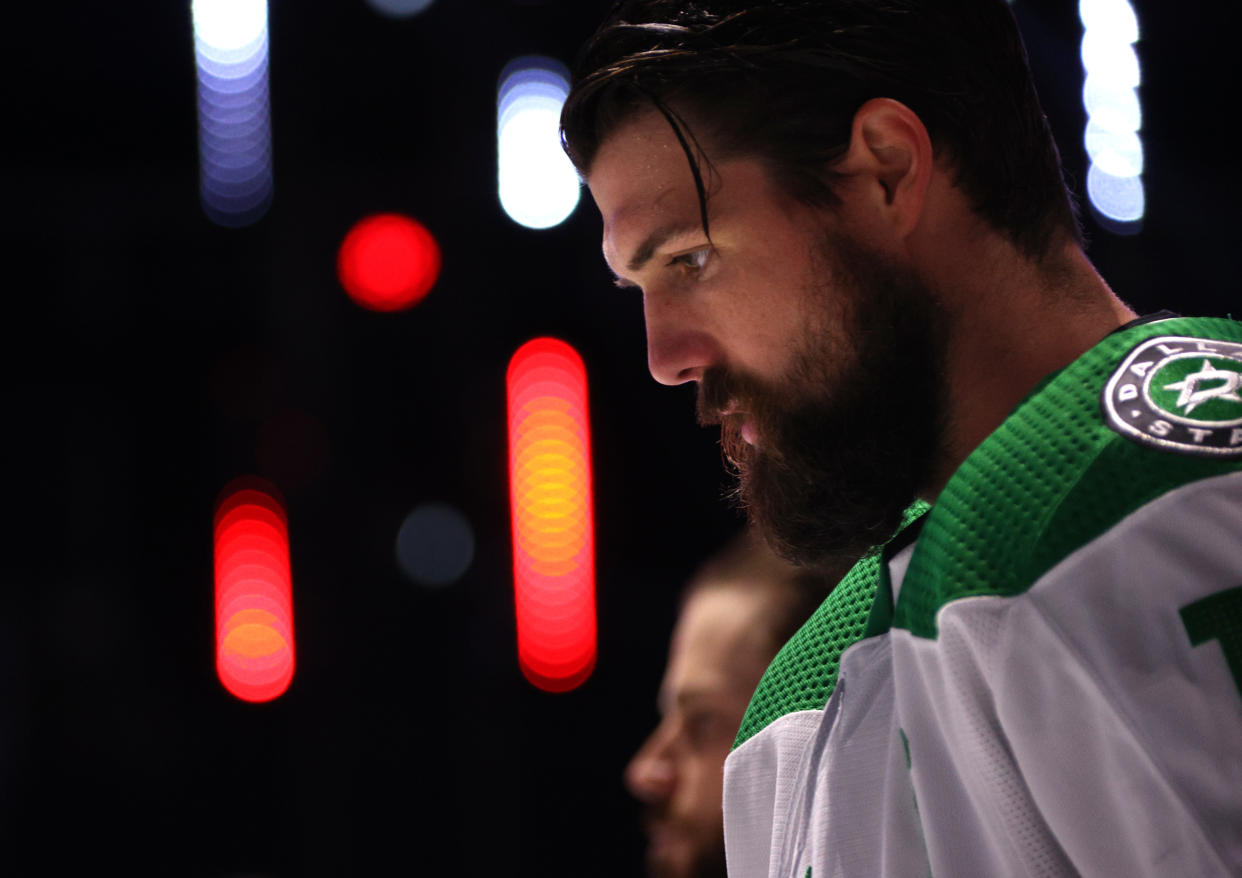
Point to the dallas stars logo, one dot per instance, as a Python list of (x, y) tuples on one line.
[(1192, 396), (1179, 394)]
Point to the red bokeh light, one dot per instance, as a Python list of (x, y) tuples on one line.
[(388, 262), (254, 600), (553, 531)]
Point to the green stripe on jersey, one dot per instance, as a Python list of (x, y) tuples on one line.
[(804, 672), (1052, 477), (1049, 480)]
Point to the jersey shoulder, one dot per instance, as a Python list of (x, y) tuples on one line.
[(803, 674), (1147, 410)]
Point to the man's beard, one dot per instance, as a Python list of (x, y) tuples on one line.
[(849, 437), (707, 857)]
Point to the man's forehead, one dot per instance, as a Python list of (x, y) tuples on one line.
[(718, 637), (641, 181), (645, 133)]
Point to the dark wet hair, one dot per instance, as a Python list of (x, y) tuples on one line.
[(781, 81)]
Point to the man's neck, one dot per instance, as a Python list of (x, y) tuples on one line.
[(1013, 323)]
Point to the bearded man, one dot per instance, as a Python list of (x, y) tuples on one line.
[(848, 223), (740, 607)]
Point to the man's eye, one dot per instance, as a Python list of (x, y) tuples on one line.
[(704, 727), (692, 261)]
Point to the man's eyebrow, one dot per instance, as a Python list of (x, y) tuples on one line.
[(683, 698), (657, 239), (650, 244)]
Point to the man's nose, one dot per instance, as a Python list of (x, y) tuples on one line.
[(651, 774), (679, 349)]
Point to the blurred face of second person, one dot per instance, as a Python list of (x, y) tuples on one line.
[(720, 649)]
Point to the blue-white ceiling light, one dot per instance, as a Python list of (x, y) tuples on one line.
[(1114, 117), (234, 123), (538, 185)]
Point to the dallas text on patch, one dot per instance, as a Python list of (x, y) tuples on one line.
[(1179, 394)]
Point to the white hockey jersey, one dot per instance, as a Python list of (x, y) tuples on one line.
[(1048, 680)]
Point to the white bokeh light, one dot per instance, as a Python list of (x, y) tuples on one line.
[(1115, 17), (235, 140), (1121, 199), (1114, 115), (1115, 61), (1117, 152), (1112, 107), (537, 184), (229, 27)]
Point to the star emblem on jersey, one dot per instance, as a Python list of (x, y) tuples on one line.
[(1192, 396), (1179, 394)]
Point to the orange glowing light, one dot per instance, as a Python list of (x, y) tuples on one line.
[(388, 262), (553, 530), (254, 599)]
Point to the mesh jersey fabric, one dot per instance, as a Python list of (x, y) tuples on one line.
[(803, 673), (1053, 477), (1000, 519)]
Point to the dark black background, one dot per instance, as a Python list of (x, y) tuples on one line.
[(148, 352)]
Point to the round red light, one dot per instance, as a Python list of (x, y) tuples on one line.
[(388, 262)]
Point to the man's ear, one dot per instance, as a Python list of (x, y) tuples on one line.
[(890, 157)]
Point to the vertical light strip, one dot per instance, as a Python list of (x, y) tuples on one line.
[(254, 597), (537, 184), (1114, 117), (234, 124), (553, 529)]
